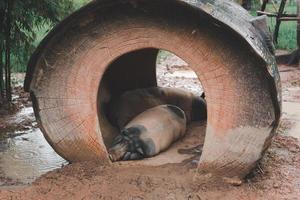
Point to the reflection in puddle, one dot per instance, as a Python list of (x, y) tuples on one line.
[(24, 158)]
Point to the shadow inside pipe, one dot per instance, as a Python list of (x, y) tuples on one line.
[(148, 68)]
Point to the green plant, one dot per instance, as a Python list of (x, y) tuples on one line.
[(20, 25)]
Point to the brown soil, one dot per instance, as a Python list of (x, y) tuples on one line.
[(277, 175)]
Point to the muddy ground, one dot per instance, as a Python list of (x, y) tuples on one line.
[(277, 175)]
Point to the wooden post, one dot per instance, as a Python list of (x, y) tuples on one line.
[(278, 21), (264, 5), (298, 33), (298, 24), (292, 58)]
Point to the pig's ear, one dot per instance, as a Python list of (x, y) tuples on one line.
[(203, 95)]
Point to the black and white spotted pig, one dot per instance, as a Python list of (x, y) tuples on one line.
[(149, 133)]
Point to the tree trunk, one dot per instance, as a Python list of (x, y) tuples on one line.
[(1, 77), (2, 14), (7, 52)]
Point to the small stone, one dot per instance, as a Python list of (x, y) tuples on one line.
[(276, 185), (233, 181)]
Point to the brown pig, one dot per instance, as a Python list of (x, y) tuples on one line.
[(125, 107)]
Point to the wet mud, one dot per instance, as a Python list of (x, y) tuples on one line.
[(24, 153)]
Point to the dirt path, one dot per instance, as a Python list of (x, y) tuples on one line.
[(291, 104), (276, 177)]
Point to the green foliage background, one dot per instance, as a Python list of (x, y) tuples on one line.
[(37, 29)]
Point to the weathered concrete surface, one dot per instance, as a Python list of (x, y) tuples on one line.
[(219, 41)]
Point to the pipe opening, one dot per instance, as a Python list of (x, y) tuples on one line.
[(138, 71)]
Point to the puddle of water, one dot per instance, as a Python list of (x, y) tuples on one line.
[(26, 157), (24, 114)]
